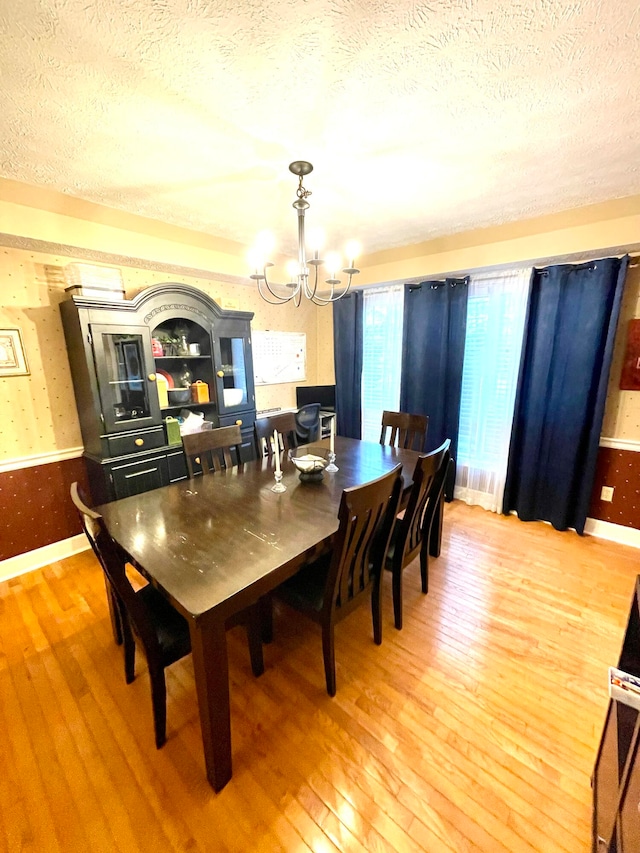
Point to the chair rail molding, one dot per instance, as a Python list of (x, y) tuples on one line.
[(40, 459), (620, 444)]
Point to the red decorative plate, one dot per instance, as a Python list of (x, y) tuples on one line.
[(167, 376)]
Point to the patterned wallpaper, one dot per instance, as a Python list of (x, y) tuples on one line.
[(38, 410)]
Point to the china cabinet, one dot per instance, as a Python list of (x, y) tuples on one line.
[(130, 362), (616, 777)]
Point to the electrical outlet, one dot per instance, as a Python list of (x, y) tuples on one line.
[(606, 493)]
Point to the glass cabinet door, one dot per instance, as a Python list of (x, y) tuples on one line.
[(126, 384), (232, 374)]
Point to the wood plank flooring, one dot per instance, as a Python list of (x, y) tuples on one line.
[(472, 729)]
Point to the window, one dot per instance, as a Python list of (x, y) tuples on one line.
[(382, 355), (496, 311)]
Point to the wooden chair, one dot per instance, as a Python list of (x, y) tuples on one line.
[(211, 449), (147, 616), (401, 429), (308, 423), (414, 534), (329, 588), (285, 423)]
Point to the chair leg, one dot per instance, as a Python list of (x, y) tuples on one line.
[(159, 703), (254, 630), (129, 648), (424, 569), (329, 654), (397, 598), (265, 605), (435, 532), (114, 614), (376, 611)]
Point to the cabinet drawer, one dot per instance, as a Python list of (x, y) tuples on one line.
[(177, 465), (247, 449), (137, 477), (134, 442)]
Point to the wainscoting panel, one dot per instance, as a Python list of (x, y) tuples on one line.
[(619, 468), (35, 507)]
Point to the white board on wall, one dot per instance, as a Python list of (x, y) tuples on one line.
[(279, 357)]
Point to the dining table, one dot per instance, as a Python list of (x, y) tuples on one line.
[(216, 544)]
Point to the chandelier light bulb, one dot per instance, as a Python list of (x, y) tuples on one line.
[(352, 251), (266, 243), (292, 270), (333, 264), (316, 240)]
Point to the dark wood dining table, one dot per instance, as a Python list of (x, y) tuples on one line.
[(215, 544)]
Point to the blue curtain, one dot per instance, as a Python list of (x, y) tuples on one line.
[(572, 316), (347, 354), (435, 322)]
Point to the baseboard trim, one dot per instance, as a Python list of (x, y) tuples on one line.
[(613, 532), (23, 563)]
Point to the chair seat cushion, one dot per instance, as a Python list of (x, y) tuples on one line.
[(171, 628), (305, 590)]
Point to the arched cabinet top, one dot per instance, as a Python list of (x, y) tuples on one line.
[(168, 298)]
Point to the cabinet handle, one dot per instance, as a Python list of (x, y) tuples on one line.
[(220, 373), (238, 422), (139, 442), (152, 377)]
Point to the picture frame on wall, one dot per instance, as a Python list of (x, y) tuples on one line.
[(13, 361)]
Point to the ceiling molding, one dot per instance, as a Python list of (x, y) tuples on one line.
[(13, 241)]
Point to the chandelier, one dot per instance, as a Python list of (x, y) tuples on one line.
[(298, 271)]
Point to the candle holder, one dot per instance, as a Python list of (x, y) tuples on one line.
[(332, 467), (278, 486)]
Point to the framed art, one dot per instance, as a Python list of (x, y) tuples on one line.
[(13, 361)]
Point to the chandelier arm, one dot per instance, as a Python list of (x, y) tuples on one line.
[(320, 300), (277, 299), (312, 293)]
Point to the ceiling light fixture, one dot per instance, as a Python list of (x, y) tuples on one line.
[(298, 271)]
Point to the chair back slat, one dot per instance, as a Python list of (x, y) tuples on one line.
[(211, 449), (366, 518), (308, 423), (402, 429), (285, 423)]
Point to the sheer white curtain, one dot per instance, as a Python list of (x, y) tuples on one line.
[(382, 319), (496, 311)]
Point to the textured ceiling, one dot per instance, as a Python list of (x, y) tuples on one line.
[(421, 118)]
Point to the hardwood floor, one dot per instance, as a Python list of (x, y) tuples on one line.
[(472, 729)]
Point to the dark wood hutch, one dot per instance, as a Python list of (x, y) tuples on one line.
[(616, 777), (115, 371)]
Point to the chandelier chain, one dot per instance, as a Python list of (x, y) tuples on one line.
[(301, 192)]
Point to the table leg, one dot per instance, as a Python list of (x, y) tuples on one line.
[(211, 666)]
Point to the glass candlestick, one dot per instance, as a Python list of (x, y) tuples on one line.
[(332, 467), (278, 486)]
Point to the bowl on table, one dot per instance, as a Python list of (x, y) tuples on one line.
[(310, 462)]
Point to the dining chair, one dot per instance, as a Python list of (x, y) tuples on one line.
[(413, 533), (147, 616), (211, 449), (285, 423), (308, 423), (401, 429), (329, 588)]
